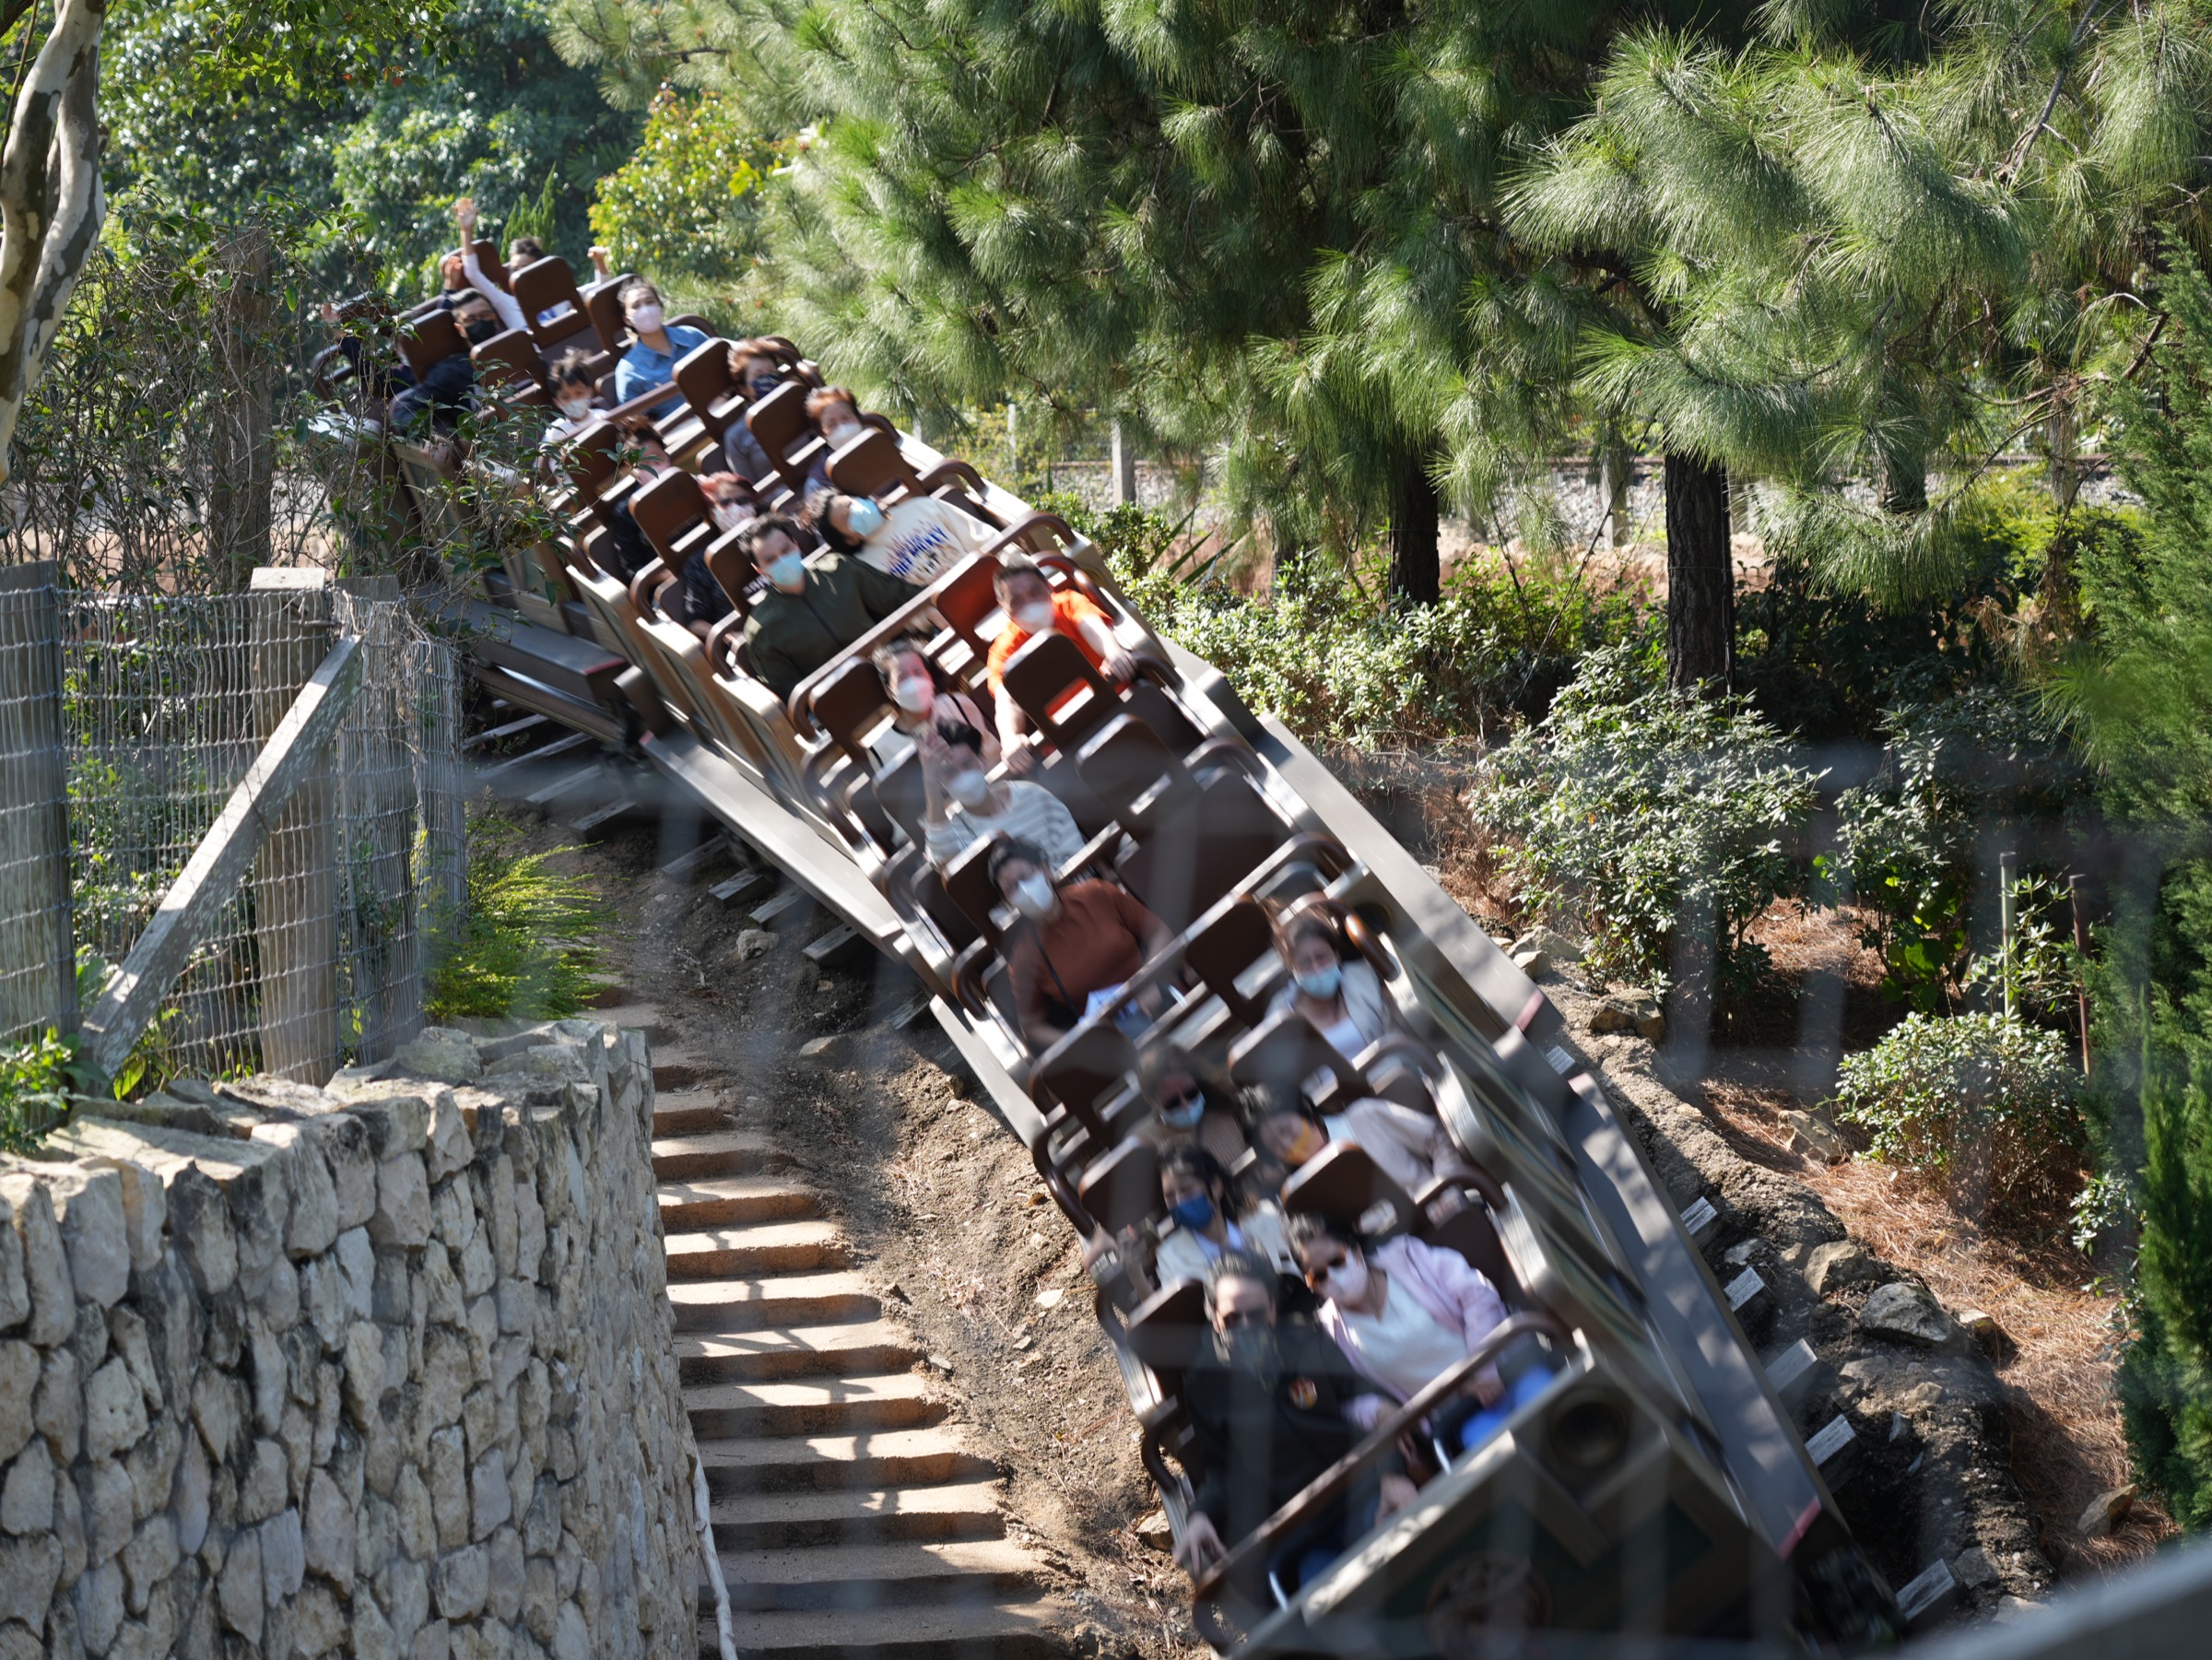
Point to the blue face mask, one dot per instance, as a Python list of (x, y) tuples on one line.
[(788, 572), (865, 518), (1196, 1213), (1186, 1115), (1323, 983)]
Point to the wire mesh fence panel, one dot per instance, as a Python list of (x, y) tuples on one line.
[(318, 959), (37, 977)]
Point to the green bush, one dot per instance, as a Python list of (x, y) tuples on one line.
[(1909, 840), (1324, 658), (1638, 811), (1984, 1105), (524, 947)]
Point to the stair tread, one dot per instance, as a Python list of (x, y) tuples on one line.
[(757, 1186), (768, 1288), (786, 1339), (749, 1452), (838, 1503), (747, 1143), (865, 1630), (756, 1236), (859, 1388), (879, 1562)]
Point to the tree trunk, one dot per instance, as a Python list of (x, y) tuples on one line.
[(242, 482), (1700, 582), (1414, 573), (1616, 470), (1904, 483)]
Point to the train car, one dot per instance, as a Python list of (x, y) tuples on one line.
[(1642, 1481)]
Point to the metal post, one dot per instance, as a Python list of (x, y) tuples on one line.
[(2081, 984), (38, 977), (1124, 470), (1013, 437), (377, 781), (2008, 868), (295, 876)]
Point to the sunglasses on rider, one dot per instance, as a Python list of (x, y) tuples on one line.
[(1237, 1319), (1175, 1103)]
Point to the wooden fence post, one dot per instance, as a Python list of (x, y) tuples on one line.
[(378, 785), (296, 878), (1124, 469), (37, 950)]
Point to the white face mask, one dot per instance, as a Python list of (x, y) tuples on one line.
[(838, 436), (645, 319), (971, 789), (1346, 1282), (915, 694), (727, 516), (1034, 616), (1033, 896), (576, 408)]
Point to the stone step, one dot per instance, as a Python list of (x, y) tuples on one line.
[(746, 1305), (676, 1076), (876, 1576), (718, 1152), (897, 1400), (794, 1352), (1024, 1630), (737, 1252), (688, 1112), (734, 1202), (798, 1521), (785, 1464)]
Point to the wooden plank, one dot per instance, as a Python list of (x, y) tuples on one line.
[(221, 860)]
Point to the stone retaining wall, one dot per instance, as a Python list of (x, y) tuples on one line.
[(384, 1370)]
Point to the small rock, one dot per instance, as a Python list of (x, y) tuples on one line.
[(1037, 1196), (823, 985), (1051, 1298), (814, 1046), (1022, 1342), (1990, 1337), (1972, 1569), (1550, 943), (2106, 1512), (1535, 964), (897, 1292), (939, 1363), (440, 1053), (1837, 1262), (1154, 1532), (1816, 1138), (1922, 1396), (2012, 1610), (1905, 1312), (1630, 1011), (754, 942)]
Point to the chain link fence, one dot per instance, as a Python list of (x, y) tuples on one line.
[(318, 956)]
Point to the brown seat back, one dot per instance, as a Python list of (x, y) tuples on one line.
[(1129, 768), (1121, 1189), (428, 340), (844, 704), (1047, 669), (1228, 946), (1343, 1183), (1168, 1330), (898, 792), (968, 880), (509, 360), (702, 375), (1470, 1231), (966, 601), (870, 466), (1188, 860), (727, 564), (602, 304), (540, 286), (780, 424), (665, 509), (1284, 1050), (1083, 1069)]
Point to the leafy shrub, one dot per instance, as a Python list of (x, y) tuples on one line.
[(1983, 1104), (1639, 811), (524, 946), (1908, 841), (1322, 657)]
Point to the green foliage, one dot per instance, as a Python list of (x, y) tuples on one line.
[(524, 946), (1657, 818), (2139, 687), (36, 1076), (1319, 654), (1982, 1104), (376, 135), (685, 206), (1909, 841)]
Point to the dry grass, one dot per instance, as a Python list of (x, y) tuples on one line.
[(2067, 1441)]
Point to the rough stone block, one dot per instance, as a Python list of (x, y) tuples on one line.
[(150, 1557), (396, 1116), (489, 1504), (403, 1203), (58, 1407), (312, 1220), (27, 1495), (448, 1482), (145, 1208), (110, 1510), (442, 1055), (418, 1519), (45, 1260), (89, 1205), (28, 1569), (238, 1595), (99, 1596), (1906, 1312), (283, 1557), (18, 1378), (319, 1624), (460, 1582), (114, 1410), (449, 1148)]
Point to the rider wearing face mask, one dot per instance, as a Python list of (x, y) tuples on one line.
[(1076, 947), (573, 395), (1202, 1201), (650, 359), (835, 412), (1191, 1102), (917, 540), (1404, 1313), (963, 803), (1345, 1000), (918, 702), (1410, 1147), (807, 613), (1032, 607), (753, 368)]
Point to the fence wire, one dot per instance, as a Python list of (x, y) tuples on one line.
[(318, 958)]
